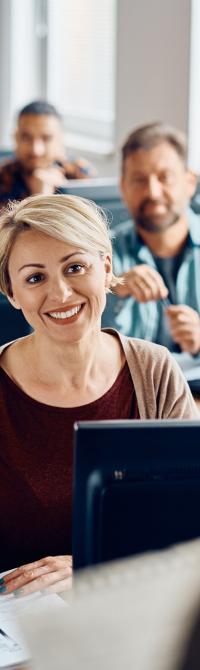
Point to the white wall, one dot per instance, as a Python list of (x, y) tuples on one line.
[(153, 62), (194, 97)]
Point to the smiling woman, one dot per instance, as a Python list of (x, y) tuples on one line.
[(56, 266), (56, 284)]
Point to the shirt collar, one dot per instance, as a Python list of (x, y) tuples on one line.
[(194, 228)]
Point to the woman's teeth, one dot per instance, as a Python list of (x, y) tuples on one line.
[(67, 314)]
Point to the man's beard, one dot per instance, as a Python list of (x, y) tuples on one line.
[(155, 224)]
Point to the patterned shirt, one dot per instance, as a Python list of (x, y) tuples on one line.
[(12, 181)]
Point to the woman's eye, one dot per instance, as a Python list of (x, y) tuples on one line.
[(76, 267), (35, 279)]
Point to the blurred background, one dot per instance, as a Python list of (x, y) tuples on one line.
[(107, 65)]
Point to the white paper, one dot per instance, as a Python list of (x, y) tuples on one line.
[(13, 649)]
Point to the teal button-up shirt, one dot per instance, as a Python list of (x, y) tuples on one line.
[(142, 319)]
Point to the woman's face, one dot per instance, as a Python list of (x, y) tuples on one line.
[(61, 289)]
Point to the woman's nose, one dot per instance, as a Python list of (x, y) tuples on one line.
[(61, 290)]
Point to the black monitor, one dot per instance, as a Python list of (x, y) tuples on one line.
[(194, 385), (136, 487), (105, 192)]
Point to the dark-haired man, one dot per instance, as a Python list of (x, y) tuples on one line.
[(158, 251), (40, 164)]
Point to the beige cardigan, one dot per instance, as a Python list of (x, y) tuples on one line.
[(161, 390)]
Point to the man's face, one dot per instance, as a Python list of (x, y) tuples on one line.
[(39, 141), (156, 187)]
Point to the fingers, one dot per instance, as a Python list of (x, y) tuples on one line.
[(46, 180), (52, 176), (184, 326), (59, 587), (37, 576), (42, 563), (145, 284), (182, 316), (188, 339), (183, 311)]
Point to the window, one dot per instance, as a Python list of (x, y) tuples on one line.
[(81, 44), (194, 97)]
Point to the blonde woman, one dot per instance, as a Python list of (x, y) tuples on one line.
[(56, 266)]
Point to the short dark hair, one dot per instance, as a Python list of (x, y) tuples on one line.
[(39, 107), (148, 136)]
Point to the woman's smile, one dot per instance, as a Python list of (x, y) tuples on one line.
[(63, 316)]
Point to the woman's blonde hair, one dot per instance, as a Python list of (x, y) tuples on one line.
[(72, 219)]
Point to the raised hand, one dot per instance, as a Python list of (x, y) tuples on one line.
[(46, 180), (143, 283)]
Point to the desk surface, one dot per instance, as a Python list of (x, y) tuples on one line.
[(166, 587)]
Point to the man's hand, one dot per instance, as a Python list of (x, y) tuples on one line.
[(52, 574), (46, 181), (143, 283), (184, 323)]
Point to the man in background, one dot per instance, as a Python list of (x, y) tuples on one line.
[(157, 252), (40, 164)]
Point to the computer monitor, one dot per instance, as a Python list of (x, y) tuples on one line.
[(105, 192), (194, 385), (136, 487)]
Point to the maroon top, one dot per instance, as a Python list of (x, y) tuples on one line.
[(36, 467)]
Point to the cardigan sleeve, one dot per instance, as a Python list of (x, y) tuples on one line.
[(161, 389)]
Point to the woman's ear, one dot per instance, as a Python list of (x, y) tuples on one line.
[(13, 302), (108, 270)]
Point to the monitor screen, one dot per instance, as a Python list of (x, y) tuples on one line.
[(136, 487)]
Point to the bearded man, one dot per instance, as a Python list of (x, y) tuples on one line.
[(157, 252)]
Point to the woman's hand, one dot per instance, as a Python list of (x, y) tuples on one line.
[(52, 575)]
